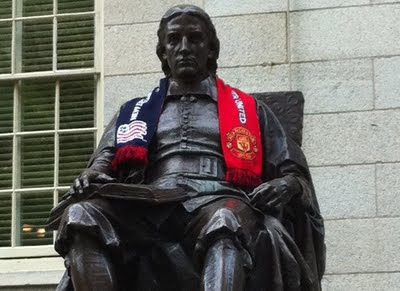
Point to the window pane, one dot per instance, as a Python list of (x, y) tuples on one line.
[(5, 9), (70, 6), (75, 43), (6, 107), (37, 97), (37, 161), (37, 7), (5, 220), (77, 102), (75, 152), (37, 45), (34, 210), (6, 162), (5, 47)]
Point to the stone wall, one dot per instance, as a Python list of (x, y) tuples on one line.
[(344, 55)]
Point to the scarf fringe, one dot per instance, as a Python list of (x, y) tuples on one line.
[(131, 155), (242, 177)]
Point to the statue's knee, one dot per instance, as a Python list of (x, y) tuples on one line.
[(223, 223), (221, 233), (82, 215), (78, 228), (78, 209)]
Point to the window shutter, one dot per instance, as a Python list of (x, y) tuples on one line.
[(6, 107), (37, 98), (5, 219), (6, 126), (75, 42), (77, 102), (6, 162), (71, 6), (37, 161), (5, 46), (5, 9), (37, 45), (34, 209), (37, 7), (75, 152)]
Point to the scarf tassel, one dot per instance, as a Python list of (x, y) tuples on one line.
[(242, 177), (130, 155)]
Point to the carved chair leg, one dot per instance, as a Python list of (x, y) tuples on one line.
[(223, 267), (90, 266)]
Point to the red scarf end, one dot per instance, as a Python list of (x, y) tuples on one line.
[(242, 177), (130, 155)]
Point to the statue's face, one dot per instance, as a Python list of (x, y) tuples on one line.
[(186, 48)]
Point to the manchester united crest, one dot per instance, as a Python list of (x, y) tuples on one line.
[(242, 144)]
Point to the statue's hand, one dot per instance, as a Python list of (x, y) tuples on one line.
[(82, 183), (274, 194)]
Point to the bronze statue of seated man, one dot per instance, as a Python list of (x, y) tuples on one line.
[(198, 186)]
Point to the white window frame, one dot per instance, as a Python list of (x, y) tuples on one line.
[(15, 251)]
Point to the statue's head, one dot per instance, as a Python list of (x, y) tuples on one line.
[(187, 46)]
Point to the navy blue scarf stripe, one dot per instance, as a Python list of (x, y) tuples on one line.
[(138, 118)]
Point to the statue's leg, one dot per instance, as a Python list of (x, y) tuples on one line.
[(220, 236), (85, 239), (93, 232), (223, 267), (90, 266)]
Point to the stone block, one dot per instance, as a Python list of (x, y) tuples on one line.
[(257, 79), (252, 39), (334, 86), (27, 287), (362, 282), (31, 278), (130, 49), (345, 33), (119, 89), (232, 7), (134, 11), (387, 82), (388, 188), (363, 245), (384, 1), (32, 265), (352, 138), (311, 4), (345, 192)]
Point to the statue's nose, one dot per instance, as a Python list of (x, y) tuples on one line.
[(184, 45)]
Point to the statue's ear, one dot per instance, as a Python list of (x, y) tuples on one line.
[(211, 55)]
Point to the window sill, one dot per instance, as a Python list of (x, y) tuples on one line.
[(31, 271), (27, 252)]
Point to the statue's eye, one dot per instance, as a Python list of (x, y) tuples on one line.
[(196, 37), (172, 38)]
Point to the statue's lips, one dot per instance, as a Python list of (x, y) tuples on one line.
[(186, 62)]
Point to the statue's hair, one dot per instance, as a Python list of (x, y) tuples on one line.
[(212, 34)]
